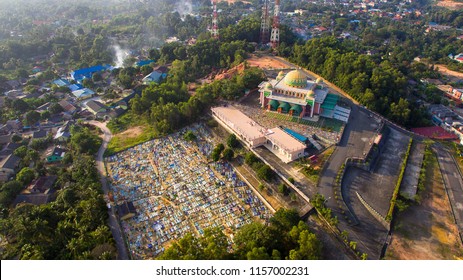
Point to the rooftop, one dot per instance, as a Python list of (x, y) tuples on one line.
[(240, 122), (284, 140)]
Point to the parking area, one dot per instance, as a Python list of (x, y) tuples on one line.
[(176, 190), (376, 189)]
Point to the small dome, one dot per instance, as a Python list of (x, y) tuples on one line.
[(311, 94), (319, 80), (268, 86), (296, 78), (280, 75)]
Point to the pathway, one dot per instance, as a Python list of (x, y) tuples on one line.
[(113, 222)]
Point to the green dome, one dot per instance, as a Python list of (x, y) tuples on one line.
[(296, 78)]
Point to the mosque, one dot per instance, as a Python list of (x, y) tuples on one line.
[(294, 94)]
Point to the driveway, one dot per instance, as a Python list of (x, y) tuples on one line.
[(113, 222)]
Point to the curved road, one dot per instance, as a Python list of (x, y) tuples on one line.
[(113, 222)]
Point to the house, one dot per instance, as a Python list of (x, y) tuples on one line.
[(56, 154), (67, 107), (116, 112), (5, 129), (39, 134), (97, 108), (155, 77), (79, 75), (143, 63), (75, 87), (41, 185), (35, 199), (83, 93), (16, 125), (61, 82), (64, 132), (126, 210), (43, 107), (8, 166)]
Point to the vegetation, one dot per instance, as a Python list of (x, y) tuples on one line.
[(319, 203), (399, 182), (263, 171), (285, 237)]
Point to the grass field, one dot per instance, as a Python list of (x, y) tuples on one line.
[(323, 123), (129, 138)]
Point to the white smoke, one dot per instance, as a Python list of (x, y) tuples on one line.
[(184, 7), (121, 55)]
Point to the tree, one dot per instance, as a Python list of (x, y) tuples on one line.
[(282, 188), (228, 154), (146, 69), (232, 141), (96, 77), (20, 105), (9, 191), (16, 138), (20, 152), (189, 136), (55, 108), (32, 117), (84, 141), (265, 173), (257, 254), (25, 176), (45, 115)]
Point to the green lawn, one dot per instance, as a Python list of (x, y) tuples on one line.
[(122, 141)]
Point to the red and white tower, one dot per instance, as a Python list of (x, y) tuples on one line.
[(215, 25), (275, 35), (265, 24)]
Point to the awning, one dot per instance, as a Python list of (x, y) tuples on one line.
[(274, 104), (284, 106), (296, 108)]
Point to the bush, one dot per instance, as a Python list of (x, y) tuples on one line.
[(189, 136), (228, 154), (232, 141), (265, 173)]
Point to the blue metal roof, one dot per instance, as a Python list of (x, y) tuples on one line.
[(61, 82), (75, 87), (296, 135), (87, 72), (144, 62)]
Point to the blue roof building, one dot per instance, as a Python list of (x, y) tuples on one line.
[(143, 62), (83, 73), (155, 77), (75, 87), (83, 93), (61, 82)]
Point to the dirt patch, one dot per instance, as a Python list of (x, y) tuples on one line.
[(454, 76), (131, 132), (451, 5), (266, 63), (427, 231)]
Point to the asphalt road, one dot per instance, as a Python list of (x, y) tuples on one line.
[(113, 222), (453, 184)]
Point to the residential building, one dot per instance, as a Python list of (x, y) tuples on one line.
[(8, 166), (55, 155)]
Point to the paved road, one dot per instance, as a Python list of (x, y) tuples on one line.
[(453, 184), (113, 222)]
